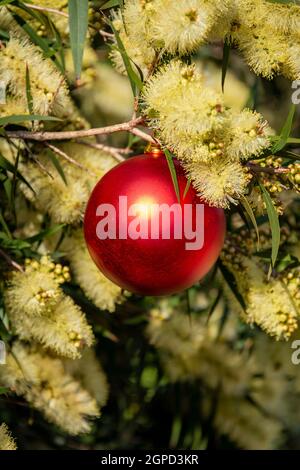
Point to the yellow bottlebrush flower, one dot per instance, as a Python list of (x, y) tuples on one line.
[(264, 52), (137, 15), (47, 86), (45, 384), (6, 440), (271, 304), (189, 350), (88, 371), (141, 53), (281, 17), (239, 420), (38, 309), (249, 135), (104, 293), (220, 182), (65, 203), (183, 26), (181, 107)]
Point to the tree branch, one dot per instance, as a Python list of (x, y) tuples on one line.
[(270, 170), (114, 151), (67, 157), (42, 136)]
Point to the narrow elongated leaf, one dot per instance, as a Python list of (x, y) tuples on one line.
[(251, 215), (58, 167), (7, 166), (78, 22), (19, 118), (135, 81), (231, 282), (186, 189), (285, 132), (173, 173), (45, 233), (274, 224), (28, 91), (110, 4), (225, 62)]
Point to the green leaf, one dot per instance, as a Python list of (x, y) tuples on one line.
[(28, 91), (186, 189), (4, 390), (285, 132), (45, 233), (57, 166), (274, 224), (225, 62), (7, 166), (5, 2), (135, 81), (230, 280), (251, 215), (214, 305), (78, 23), (4, 225), (173, 173), (110, 4), (19, 118)]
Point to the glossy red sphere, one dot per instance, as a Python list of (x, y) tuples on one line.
[(150, 266)]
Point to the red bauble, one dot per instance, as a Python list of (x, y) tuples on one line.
[(150, 266)]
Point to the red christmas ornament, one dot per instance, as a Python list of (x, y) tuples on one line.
[(141, 238)]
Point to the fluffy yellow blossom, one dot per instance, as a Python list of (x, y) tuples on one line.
[(183, 26), (249, 135), (6, 440), (104, 293), (45, 384), (47, 85), (239, 420), (88, 371), (65, 203), (39, 310), (271, 304), (247, 389), (182, 109), (220, 182)]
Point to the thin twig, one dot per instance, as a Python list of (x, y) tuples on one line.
[(105, 34), (64, 155), (270, 170), (68, 135), (46, 9), (11, 261), (114, 151), (142, 135), (65, 15)]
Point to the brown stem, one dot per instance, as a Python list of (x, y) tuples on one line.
[(114, 151), (68, 135), (46, 9), (11, 261), (270, 170), (64, 155)]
